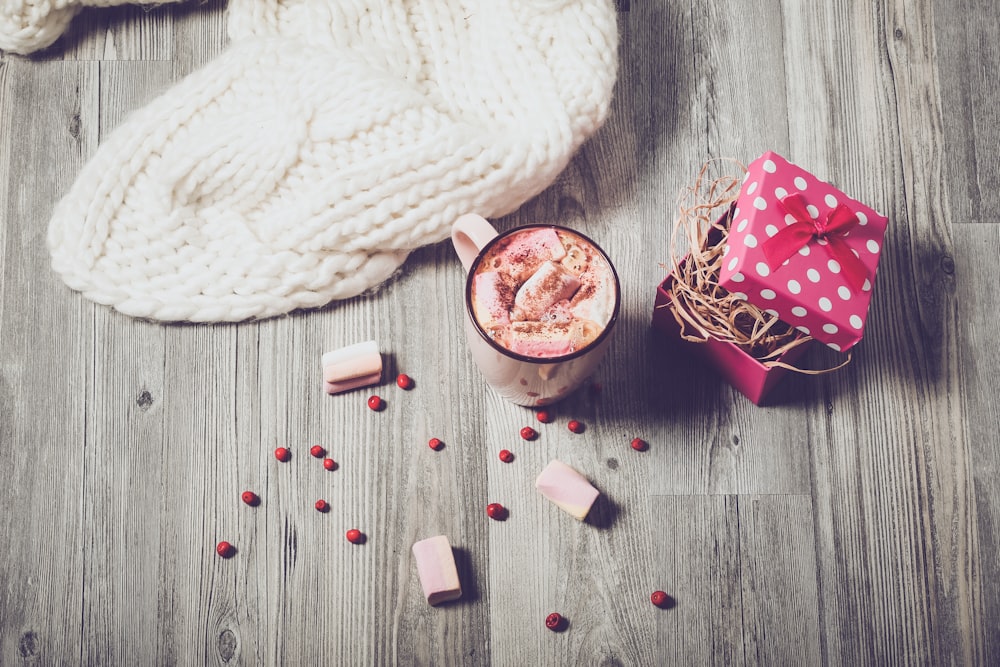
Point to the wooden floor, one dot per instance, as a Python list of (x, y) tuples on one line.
[(855, 521)]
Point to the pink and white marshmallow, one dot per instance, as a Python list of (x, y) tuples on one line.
[(436, 569), (567, 488), (546, 287), (358, 365)]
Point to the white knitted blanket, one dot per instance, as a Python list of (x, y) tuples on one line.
[(327, 142)]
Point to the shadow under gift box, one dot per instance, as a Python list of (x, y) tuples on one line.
[(753, 378)]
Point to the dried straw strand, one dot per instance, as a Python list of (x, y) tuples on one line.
[(702, 308)]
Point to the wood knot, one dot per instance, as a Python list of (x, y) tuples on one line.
[(612, 463), (898, 33), (74, 126), (227, 645), (144, 400), (948, 265), (27, 646)]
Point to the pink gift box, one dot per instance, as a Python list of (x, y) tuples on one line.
[(751, 377), (803, 251), (804, 278)]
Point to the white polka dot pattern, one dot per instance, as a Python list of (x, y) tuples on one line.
[(809, 289)]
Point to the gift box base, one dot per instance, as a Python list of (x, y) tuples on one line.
[(752, 378)]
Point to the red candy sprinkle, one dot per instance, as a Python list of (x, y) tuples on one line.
[(225, 549), (555, 622), (322, 506), (329, 464), (250, 498), (375, 403), (640, 445), (282, 454), (435, 444), (544, 416), (355, 536), (496, 511), (506, 455), (529, 433), (317, 451), (404, 381), (660, 599), (575, 426)]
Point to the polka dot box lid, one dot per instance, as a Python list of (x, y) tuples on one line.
[(817, 277)]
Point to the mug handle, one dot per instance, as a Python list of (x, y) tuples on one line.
[(469, 234)]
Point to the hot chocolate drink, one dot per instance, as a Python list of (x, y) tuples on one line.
[(543, 292)]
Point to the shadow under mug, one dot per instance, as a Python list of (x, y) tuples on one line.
[(524, 380)]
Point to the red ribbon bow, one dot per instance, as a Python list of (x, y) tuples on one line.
[(831, 227)]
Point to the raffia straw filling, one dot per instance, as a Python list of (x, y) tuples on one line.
[(703, 308)]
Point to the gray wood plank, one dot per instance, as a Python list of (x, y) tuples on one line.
[(127, 437), (697, 541), (890, 490), (128, 32), (977, 247), (198, 593), (781, 624), (42, 409), (199, 34), (6, 122), (423, 493), (967, 61), (742, 572)]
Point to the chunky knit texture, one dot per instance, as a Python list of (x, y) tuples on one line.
[(29, 25), (327, 142)]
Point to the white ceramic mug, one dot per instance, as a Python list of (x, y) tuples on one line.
[(524, 380)]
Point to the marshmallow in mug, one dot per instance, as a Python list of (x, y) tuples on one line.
[(543, 292)]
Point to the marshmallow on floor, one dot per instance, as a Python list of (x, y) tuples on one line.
[(436, 569), (358, 365), (567, 488)]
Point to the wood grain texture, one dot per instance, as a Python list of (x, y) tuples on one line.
[(43, 421), (965, 33), (854, 520), (977, 247)]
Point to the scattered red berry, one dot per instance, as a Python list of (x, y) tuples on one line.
[(640, 445), (250, 498), (225, 549), (544, 416), (404, 381), (376, 403), (555, 622), (355, 536), (322, 506), (317, 451), (506, 455), (660, 599), (575, 426), (496, 511), (282, 454), (529, 433), (435, 444), (329, 464)]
